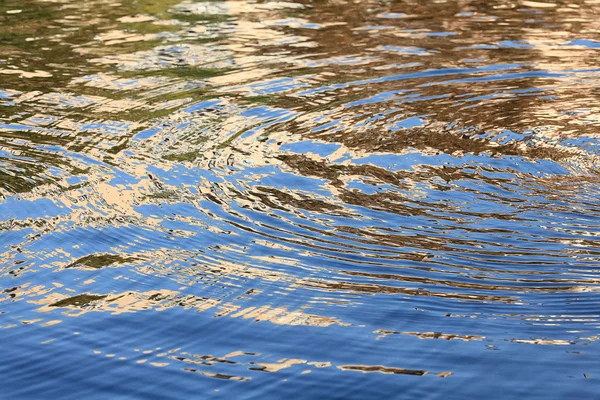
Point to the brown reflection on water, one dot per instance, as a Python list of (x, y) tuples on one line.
[(430, 335), (383, 370)]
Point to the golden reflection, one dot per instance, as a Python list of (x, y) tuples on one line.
[(281, 364), (159, 300)]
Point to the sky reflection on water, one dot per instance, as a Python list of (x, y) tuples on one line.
[(328, 199)]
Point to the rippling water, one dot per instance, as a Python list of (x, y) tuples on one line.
[(327, 199)]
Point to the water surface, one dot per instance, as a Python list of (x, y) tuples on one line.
[(309, 200)]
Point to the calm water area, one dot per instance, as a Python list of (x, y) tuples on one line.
[(327, 199)]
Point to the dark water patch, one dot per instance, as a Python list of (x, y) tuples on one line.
[(100, 261), (78, 301)]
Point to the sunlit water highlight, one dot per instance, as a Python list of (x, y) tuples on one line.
[(307, 200)]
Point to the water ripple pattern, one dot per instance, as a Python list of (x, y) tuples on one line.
[(313, 199)]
